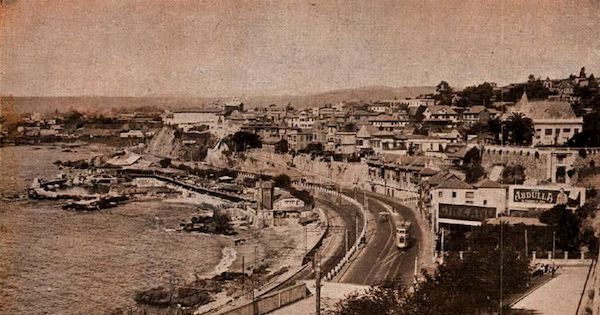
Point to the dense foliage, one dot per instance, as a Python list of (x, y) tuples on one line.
[(472, 166), (282, 147), (518, 130), (468, 286), (513, 174), (242, 140), (570, 228)]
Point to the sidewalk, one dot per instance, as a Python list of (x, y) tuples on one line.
[(331, 293), (558, 296)]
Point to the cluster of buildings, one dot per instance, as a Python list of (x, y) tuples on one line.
[(347, 128), (449, 201)]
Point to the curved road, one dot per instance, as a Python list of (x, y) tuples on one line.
[(341, 218), (380, 259)]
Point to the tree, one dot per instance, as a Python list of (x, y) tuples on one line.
[(282, 146), (444, 93), (242, 140), (9, 117), (472, 166), (582, 73), (282, 181), (590, 135), (384, 299), (473, 156), (566, 225), (467, 286), (166, 162), (513, 174), (593, 84), (481, 94), (520, 129), (473, 173)]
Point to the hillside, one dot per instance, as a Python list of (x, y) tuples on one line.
[(104, 104)]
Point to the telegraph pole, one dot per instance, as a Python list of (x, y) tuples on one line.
[(553, 243), (254, 306), (243, 277), (318, 282), (526, 247), (305, 242), (346, 238), (501, 261)]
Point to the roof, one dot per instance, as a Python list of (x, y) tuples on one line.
[(198, 110), (474, 109), (441, 177), (439, 109), (544, 109), (487, 183), (428, 172), (515, 221), (384, 117), (454, 183), (367, 131)]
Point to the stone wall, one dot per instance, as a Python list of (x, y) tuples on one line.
[(536, 166)]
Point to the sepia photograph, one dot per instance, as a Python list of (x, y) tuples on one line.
[(299, 157)]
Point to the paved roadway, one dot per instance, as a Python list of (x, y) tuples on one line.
[(333, 247), (380, 259)]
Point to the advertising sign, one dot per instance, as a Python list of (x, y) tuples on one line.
[(463, 212), (540, 196), (522, 197)]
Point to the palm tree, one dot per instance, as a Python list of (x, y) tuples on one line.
[(520, 129)]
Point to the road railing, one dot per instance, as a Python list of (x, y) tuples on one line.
[(354, 248)]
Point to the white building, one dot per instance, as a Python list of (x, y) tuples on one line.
[(554, 121), (455, 202), (198, 116)]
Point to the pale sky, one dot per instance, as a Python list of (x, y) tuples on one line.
[(227, 48)]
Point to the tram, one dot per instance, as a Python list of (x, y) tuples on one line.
[(402, 234)]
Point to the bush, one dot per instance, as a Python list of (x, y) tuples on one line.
[(164, 163), (282, 181), (161, 297), (514, 174), (473, 173), (282, 147)]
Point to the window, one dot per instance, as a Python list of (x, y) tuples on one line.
[(576, 130), (469, 202), (469, 195), (485, 202), (454, 194), (441, 194), (567, 130), (548, 132)]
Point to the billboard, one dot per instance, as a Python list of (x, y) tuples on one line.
[(544, 197), (540, 196), (464, 212)]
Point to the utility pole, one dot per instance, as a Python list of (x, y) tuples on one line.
[(318, 282), (305, 242), (501, 261), (442, 245), (254, 306), (553, 243), (526, 247), (417, 263), (346, 239)]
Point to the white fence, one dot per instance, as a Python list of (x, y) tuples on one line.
[(342, 263)]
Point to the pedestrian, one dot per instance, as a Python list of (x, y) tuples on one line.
[(553, 270)]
